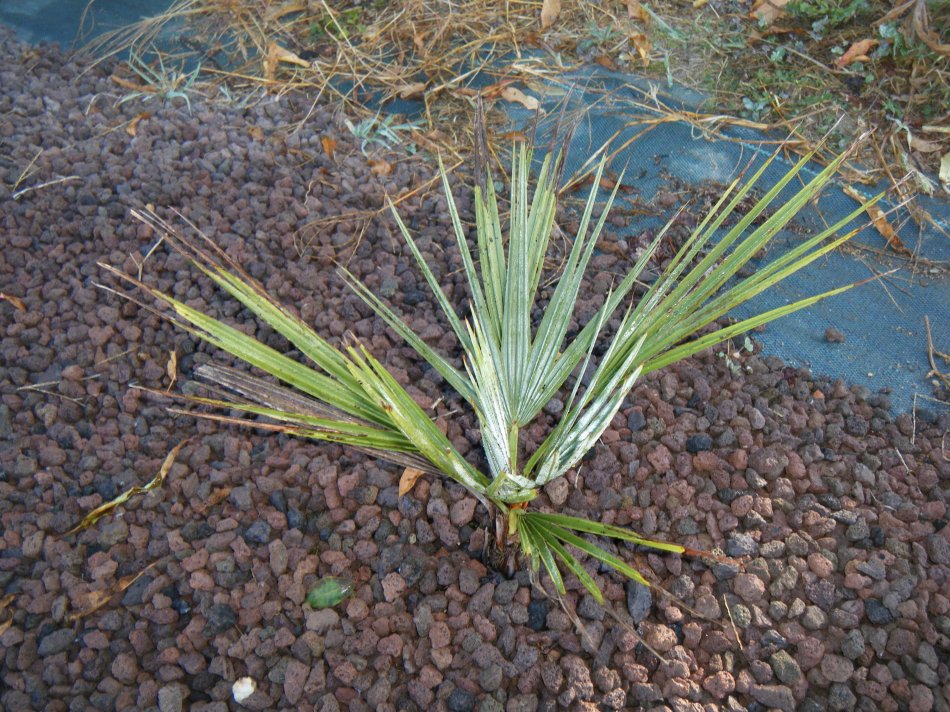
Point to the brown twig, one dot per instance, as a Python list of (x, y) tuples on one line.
[(934, 371)]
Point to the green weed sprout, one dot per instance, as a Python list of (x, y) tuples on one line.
[(513, 364), (162, 83), (381, 131)]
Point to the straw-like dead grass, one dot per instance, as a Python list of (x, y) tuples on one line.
[(438, 54)]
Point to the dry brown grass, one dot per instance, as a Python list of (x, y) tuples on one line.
[(441, 53)]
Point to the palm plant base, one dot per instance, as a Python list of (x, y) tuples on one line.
[(513, 363)]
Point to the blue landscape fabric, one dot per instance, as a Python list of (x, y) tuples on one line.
[(883, 321), (72, 22)]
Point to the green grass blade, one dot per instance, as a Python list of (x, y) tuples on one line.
[(709, 282), (692, 347), (594, 551), (675, 290), (281, 320), (554, 324), (541, 550), (250, 350), (413, 422), (451, 374), (575, 567), (491, 254), (433, 283), (491, 405), (567, 361), (589, 418), (761, 281), (479, 304), (606, 530)]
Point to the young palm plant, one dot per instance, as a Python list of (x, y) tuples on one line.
[(513, 365)]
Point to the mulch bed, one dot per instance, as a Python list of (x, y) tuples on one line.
[(834, 507)]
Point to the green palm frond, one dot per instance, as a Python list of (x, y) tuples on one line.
[(513, 368), (514, 362), (348, 398)]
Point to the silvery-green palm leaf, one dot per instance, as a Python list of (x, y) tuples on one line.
[(513, 363)]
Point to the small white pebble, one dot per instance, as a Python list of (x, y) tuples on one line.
[(243, 688)]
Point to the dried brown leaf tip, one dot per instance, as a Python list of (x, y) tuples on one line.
[(857, 52), (516, 96), (277, 54), (550, 10), (408, 480), (481, 147), (768, 11), (880, 221), (380, 167), (171, 368), (94, 600), (635, 11), (217, 496), (133, 126), (643, 45), (4, 603), (329, 146), (15, 301), (103, 509)]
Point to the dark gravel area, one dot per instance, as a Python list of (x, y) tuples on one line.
[(835, 507)]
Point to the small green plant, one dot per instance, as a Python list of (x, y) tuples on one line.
[(161, 83), (382, 131), (339, 26), (518, 351), (328, 592), (827, 14), (597, 37)]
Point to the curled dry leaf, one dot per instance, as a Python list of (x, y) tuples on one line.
[(922, 146), (636, 12), (130, 85), (171, 368), (256, 133), (275, 55), (857, 52), (921, 23), (133, 126), (412, 91), (643, 46), (880, 222), (94, 600), (15, 301), (418, 39), (408, 480), (380, 167), (329, 146), (768, 11), (516, 96), (217, 495), (520, 136), (550, 10), (103, 509)]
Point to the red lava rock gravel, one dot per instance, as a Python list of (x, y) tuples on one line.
[(834, 508)]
